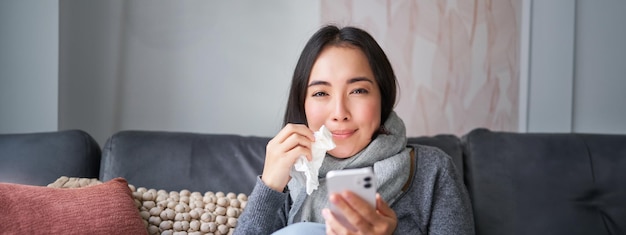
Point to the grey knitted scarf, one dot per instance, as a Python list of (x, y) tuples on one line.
[(388, 155)]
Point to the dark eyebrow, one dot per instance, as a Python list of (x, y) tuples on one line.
[(352, 80), (360, 79), (317, 82)]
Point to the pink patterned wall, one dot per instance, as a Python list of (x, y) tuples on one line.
[(456, 62)]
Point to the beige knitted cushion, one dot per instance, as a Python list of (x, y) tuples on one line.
[(176, 212)]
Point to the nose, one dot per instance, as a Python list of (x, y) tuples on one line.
[(340, 110)]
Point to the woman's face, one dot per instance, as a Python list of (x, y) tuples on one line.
[(343, 95)]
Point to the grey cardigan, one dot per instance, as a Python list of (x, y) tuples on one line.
[(436, 201)]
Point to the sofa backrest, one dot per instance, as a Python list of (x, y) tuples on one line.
[(180, 160), (41, 158), (546, 183), (204, 162), (449, 144)]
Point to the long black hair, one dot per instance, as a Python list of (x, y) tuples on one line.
[(333, 36)]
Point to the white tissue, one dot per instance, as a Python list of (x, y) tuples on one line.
[(310, 169)]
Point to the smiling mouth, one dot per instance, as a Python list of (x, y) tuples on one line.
[(343, 134)]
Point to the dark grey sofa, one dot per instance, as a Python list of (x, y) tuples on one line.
[(519, 183), (203, 162), (546, 183), (176, 161), (41, 158)]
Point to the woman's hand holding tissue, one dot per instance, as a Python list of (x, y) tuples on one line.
[(293, 141)]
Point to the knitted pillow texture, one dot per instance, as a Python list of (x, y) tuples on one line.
[(106, 208), (178, 212)]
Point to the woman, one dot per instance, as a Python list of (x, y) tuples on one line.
[(344, 81)]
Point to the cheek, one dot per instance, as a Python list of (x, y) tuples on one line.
[(370, 116), (314, 115)]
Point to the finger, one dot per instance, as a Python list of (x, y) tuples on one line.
[(282, 161), (383, 208), (290, 137), (356, 216), (329, 230), (360, 207), (291, 128), (293, 155), (327, 218), (388, 220), (280, 157), (296, 140), (284, 156), (333, 226)]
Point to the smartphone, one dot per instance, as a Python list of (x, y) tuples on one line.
[(360, 181)]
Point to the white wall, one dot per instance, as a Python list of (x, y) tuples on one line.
[(89, 48), (600, 67), (238, 82), (551, 66), (577, 71), (28, 65), (201, 66)]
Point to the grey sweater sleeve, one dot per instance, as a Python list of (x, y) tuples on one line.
[(265, 211)]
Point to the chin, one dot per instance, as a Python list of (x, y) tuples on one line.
[(341, 154)]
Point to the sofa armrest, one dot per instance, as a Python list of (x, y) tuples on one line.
[(41, 158), (178, 160), (546, 183)]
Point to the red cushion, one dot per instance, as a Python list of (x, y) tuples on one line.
[(106, 208)]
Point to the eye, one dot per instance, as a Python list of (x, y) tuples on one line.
[(319, 94), (360, 91)]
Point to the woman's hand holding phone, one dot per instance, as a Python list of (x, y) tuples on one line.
[(293, 141), (356, 208)]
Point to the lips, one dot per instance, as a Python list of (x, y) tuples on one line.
[(342, 134)]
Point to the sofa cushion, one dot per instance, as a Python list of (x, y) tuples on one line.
[(174, 161), (40, 158), (169, 212), (535, 183), (107, 208)]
